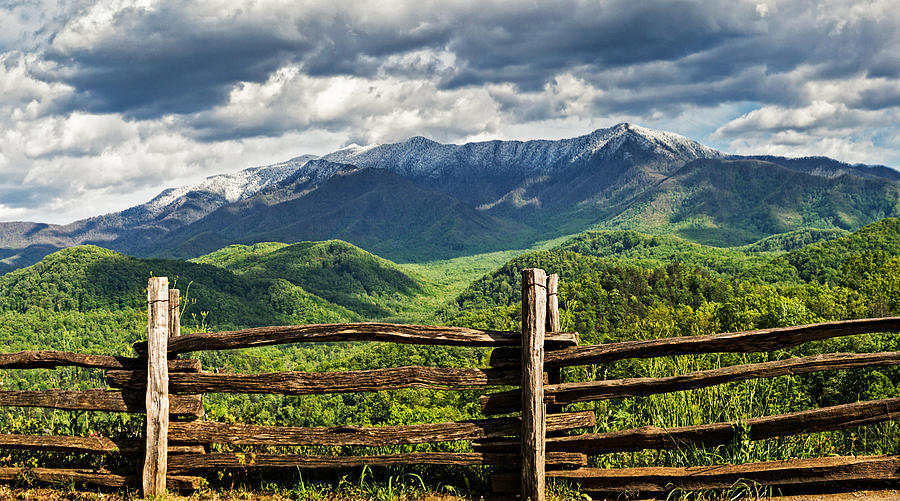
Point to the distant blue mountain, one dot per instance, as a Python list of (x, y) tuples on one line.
[(419, 199)]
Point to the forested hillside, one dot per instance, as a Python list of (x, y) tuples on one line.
[(619, 286), (736, 202), (615, 285), (337, 271), (88, 278), (822, 261)]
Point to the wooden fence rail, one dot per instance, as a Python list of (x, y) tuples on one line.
[(567, 393), (243, 434), (731, 342), (186, 463), (85, 445), (534, 442), (836, 417), (310, 383), (52, 359), (792, 472), (98, 400), (363, 331), (90, 477)]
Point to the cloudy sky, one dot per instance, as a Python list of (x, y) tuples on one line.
[(104, 103)]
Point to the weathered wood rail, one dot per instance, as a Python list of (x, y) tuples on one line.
[(98, 400), (196, 462), (362, 331), (568, 393), (311, 383), (524, 449), (705, 435), (52, 359), (243, 434), (793, 473), (754, 341)]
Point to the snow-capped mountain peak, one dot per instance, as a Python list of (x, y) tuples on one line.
[(353, 149), (230, 187), (420, 157), (607, 142)]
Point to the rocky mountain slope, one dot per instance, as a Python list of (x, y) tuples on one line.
[(418, 199), (25, 243)]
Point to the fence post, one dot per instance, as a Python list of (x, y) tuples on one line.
[(156, 452), (553, 303), (554, 374), (174, 312), (534, 321)]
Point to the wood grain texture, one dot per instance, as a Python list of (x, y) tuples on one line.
[(707, 435), (243, 434), (502, 402), (174, 312), (534, 432), (364, 331), (156, 450), (731, 342), (308, 383), (184, 365), (553, 320), (91, 477), (98, 400), (49, 359), (56, 443), (554, 374), (650, 437), (186, 448), (197, 462), (792, 472), (85, 445)]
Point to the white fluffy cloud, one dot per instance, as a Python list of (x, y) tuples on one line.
[(59, 166), (848, 119)]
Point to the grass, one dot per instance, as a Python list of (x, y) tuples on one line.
[(556, 491), (323, 493)]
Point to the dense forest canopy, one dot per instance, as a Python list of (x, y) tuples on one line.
[(614, 285)]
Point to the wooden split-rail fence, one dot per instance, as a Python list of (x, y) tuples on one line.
[(525, 448)]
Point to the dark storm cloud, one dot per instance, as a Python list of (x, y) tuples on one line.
[(527, 47), (167, 61), (161, 63), (886, 96), (158, 62)]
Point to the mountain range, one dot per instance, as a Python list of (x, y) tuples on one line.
[(420, 200), (333, 281)]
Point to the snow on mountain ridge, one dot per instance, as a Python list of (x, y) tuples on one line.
[(230, 187), (420, 156), (675, 142), (608, 141)]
